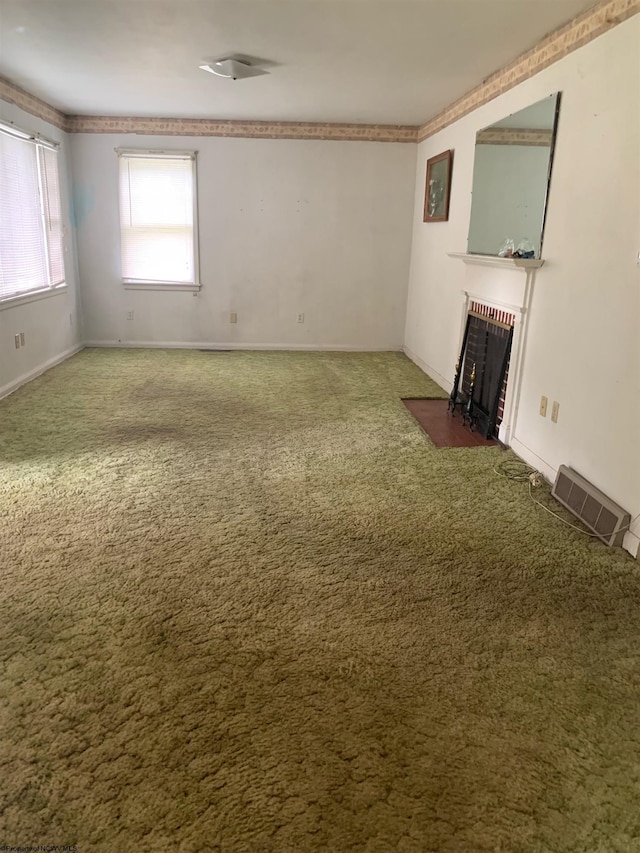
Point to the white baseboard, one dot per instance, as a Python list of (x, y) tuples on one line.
[(38, 371), (445, 384), (632, 544), (531, 458), (240, 346)]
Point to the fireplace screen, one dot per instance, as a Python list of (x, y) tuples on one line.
[(481, 372)]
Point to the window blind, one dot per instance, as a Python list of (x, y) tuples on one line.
[(157, 218), (31, 240)]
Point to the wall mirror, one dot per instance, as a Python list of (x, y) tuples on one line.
[(511, 175)]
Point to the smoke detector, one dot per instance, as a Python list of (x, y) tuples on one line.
[(233, 68)]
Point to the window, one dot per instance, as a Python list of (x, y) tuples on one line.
[(31, 240), (157, 219)]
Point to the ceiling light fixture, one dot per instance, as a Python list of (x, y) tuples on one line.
[(231, 68)]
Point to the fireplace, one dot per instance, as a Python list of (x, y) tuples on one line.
[(501, 289), (480, 386)]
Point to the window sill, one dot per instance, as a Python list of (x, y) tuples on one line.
[(161, 285), (34, 296)]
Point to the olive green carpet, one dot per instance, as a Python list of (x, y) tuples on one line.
[(247, 607)]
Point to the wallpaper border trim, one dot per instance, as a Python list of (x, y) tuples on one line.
[(247, 129), (13, 94)]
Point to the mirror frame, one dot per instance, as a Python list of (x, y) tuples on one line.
[(554, 137)]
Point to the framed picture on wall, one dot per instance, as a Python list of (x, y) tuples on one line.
[(438, 187)]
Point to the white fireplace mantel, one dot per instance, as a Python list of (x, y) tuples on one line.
[(494, 261), (506, 290)]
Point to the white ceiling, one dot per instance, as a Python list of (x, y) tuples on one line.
[(365, 61)]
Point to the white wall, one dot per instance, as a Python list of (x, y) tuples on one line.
[(583, 341), (286, 227), (509, 188), (52, 326)]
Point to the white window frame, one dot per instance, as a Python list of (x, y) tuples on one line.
[(164, 154), (36, 139)]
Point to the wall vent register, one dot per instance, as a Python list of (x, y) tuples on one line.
[(600, 514)]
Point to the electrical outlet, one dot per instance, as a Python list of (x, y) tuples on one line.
[(16, 340), (554, 411), (543, 406), (129, 315), (21, 339), (300, 318), (233, 317)]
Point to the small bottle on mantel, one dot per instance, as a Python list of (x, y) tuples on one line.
[(507, 248), (525, 249)]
